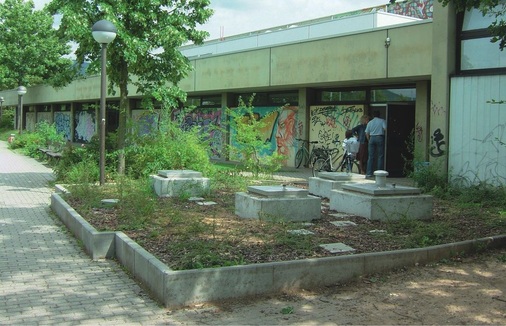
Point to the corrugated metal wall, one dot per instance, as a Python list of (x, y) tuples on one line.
[(477, 142)]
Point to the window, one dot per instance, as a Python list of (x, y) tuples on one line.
[(477, 52), (393, 95), (329, 96)]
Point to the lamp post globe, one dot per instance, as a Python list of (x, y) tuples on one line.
[(104, 32), (21, 91)]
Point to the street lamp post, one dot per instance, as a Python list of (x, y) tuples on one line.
[(1, 106), (21, 91), (104, 32)]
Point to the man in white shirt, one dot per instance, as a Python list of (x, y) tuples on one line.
[(375, 133)]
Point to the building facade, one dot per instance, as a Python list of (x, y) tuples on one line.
[(314, 80)]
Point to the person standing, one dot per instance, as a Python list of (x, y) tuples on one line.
[(362, 155), (375, 134)]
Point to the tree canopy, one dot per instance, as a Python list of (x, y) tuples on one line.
[(30, 51), (150, 33)]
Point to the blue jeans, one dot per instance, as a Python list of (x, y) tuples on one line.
[(376, 153)]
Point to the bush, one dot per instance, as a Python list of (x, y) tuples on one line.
[(170, 149)]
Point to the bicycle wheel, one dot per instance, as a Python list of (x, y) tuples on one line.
[(299, 157), (320, 165)]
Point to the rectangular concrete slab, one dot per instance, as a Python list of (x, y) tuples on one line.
[(388, 189), (179, 174), (278, 191)]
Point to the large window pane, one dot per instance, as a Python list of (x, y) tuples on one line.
[(342, 96), (393, 95), (474, 19), (481, 54)]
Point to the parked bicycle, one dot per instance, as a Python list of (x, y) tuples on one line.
[(348, 163), (303, 155), (327, 160)]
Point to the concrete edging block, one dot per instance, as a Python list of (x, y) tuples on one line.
[(180, 288)]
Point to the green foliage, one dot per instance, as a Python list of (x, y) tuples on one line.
[(44, 136), (248, 146), (77, 165), (7, 121), (430, 178), (144, 28), (170, 149), (136, 202), (30, 51), (417, 233)]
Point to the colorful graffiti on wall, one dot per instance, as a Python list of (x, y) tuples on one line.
[(85, 126), (281, 128), (209, 121), (62, 124), (422, 9), (144, 121), (330, 122)]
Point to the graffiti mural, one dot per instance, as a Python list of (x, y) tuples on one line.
[(281, 127), (62, 124), (329, 122), (422, 9), (418, 132), (210, 123), (44, 116), (437, 143), (145, 121), (85, 126), (30, 121)]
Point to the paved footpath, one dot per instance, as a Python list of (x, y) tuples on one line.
[(45, 277)]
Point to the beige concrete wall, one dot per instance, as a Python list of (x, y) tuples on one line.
[(443, 65), (233, 71), (410, 51)]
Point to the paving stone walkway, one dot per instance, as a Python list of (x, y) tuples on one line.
[(45, 277)]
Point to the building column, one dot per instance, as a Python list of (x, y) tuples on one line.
[(443, 65)]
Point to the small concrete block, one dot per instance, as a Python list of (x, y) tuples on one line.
[(196, 199), (387, 189), (179, 174), (307, 224), (109, 202), (335, 248), (377, 231), (335, 176), (341, 224), (207, 203), (278, 191), (340, 215), (300, 232)]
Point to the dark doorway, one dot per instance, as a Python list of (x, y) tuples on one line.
[(400, 124)]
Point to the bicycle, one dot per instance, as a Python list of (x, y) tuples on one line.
[(325, 162), (304, 155), (348, 163)]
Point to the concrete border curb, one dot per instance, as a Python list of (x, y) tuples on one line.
[(180, 288)]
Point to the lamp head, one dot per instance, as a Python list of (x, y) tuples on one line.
[(1, 99), (21, 90), (104, 31)]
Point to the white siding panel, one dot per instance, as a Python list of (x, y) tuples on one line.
[(477, 141)]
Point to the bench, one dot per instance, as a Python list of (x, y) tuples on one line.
[(51, 154)]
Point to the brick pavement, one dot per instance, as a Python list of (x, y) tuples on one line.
[(45, 277)]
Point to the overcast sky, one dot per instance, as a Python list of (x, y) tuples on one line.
[(232, 17)]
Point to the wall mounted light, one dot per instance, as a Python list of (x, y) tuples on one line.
[(387, 42)]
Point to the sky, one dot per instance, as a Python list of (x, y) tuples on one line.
[(232, 17)]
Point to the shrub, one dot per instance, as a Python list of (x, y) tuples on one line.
[(169, 149)]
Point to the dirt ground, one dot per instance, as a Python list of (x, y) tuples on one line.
[(466, 291)]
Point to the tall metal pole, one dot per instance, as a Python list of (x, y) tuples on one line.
[(103, 89), (20, 118)]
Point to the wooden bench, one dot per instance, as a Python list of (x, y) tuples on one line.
[(51, 154)]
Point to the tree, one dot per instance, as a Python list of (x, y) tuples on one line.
[(494, 8), (149, 35), (30, 51)]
